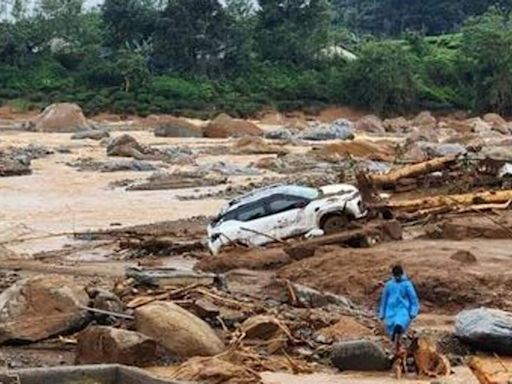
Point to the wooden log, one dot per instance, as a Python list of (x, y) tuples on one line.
[(467, 199), (412, 171)]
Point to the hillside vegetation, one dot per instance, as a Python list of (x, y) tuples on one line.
[(198, 57)]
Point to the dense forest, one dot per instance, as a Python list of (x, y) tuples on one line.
[(198, 57)]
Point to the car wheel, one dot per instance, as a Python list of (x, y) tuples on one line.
[(334, 223)]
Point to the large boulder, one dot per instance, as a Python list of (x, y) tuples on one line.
[(59, 118), (497, 153), (370, 124), (341, 129), (425, 120), (359, 356), (486, 329), (495, 120), (178, 330), (107, 345), (40, 307), (125, 146), (177, 127), (224, 126)]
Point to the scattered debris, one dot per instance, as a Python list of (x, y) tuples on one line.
[(228, 169), (122, 165), (341, 129), (92, 134), (169, 277), (178, 180)]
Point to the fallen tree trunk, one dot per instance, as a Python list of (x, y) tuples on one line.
[(412, 171), (467, 199)]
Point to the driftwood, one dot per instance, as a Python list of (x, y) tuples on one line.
[(412, 171), (468, 199)]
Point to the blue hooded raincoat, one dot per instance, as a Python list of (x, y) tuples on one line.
[(399, 304)]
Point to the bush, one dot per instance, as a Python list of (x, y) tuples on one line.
[(383, 78)]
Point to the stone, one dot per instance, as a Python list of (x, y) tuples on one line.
[(341, 129), (464, 257), (10, 166), (224, 126), (361, 355), (261, 327), (107, 345), (396, 125), (178, 330), (497, 153), (370, 124), (92, 134), (347, 328), (61, 118), (425, 120), (177, 127), (251, 145), (125, 146), (495, 120), (311, 298), (279, 134), (106, 301), (40, 307), (486, 329), (441, 150)]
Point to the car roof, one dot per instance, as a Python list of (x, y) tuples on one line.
[(258, 194)]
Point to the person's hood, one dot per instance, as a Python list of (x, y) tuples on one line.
[(402, 279)]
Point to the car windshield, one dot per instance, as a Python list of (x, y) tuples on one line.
[(251, 210)]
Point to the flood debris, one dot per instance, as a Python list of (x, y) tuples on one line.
[(39, 307), (429, 362), (122, 165), (91, 134), (170, 277), (107, 345), (161, 180), (491, 370), (341, 129)]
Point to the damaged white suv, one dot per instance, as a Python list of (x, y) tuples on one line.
[(283, 211)]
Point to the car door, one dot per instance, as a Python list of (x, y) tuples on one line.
[(250, 225), (286, 216)]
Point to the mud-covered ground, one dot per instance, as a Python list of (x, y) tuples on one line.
[(69, 193)]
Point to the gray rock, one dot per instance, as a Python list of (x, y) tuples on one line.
[(311, 298), (486, 329), (13, 167), (361, 355), (440, 150), (279, 134), (127, 165), (90, 134), (341, 129), (497, 153), (227, 169)]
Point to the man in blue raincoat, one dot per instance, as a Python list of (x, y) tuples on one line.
[(399, 305)]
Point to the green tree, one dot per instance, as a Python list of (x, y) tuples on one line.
[(293, 31), (129, 21), (132, 66), (383, 78), (486, 60), (241, 22), (190, 36)]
